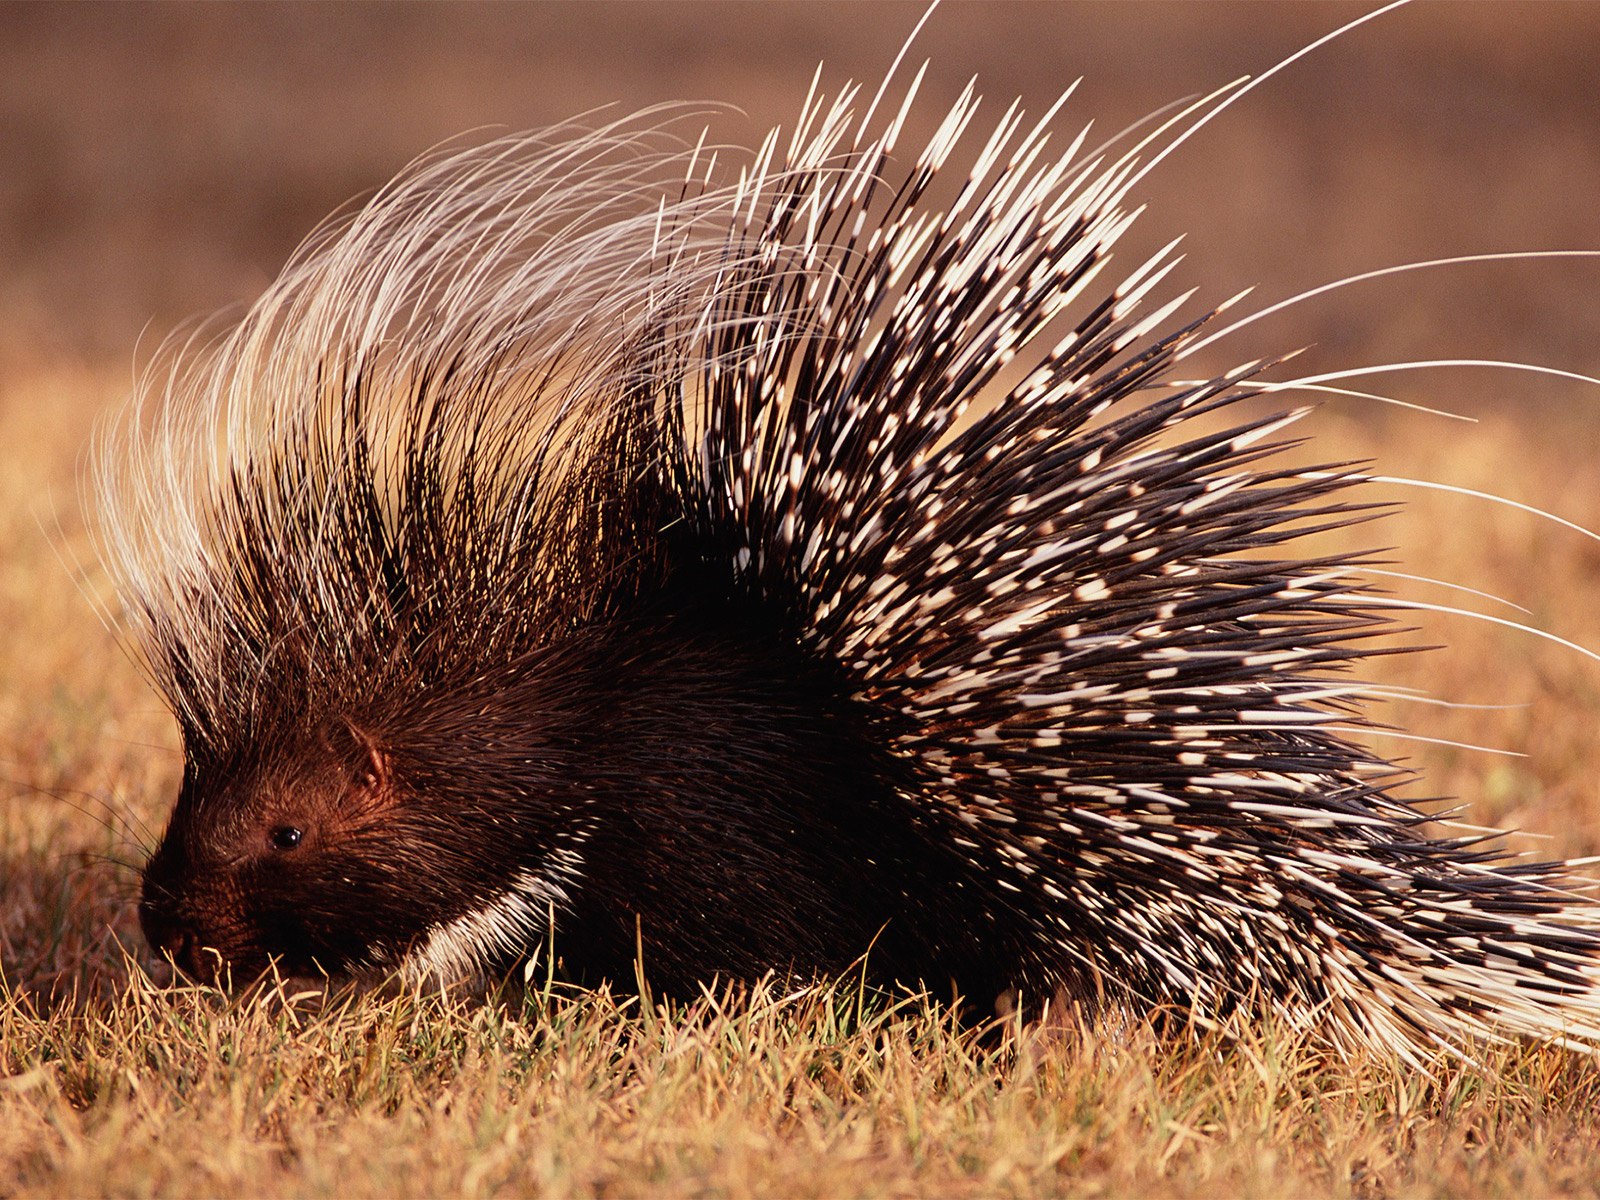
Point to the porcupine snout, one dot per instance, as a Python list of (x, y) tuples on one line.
[(171, 925), (192, 911), (170, 937)]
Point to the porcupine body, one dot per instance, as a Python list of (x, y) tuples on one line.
[(762, 575)]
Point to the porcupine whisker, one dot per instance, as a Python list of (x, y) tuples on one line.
[(1302, 691), (1267, 387), (1380, 273), (1434, 364), (1396, 693), (1382, 731), (91, 805), (1241, 88), (1444, 583), (1475, 494), (1378, 600), (1404, 695)]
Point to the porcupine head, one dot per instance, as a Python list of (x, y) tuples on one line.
[(570, 547)]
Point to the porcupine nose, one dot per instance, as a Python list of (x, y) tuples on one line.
[(170, 937)]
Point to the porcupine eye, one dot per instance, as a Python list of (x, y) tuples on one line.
[(285, 837)]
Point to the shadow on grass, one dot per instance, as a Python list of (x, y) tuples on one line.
[(68, 924)]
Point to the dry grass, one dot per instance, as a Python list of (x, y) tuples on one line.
[(182, 1091), (111, 1086)]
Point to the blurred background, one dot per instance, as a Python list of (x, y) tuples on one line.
[(160, 161)]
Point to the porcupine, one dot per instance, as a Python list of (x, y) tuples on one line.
[(732, 573)]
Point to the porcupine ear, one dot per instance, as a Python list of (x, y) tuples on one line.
[(363, 757), (373, 769)]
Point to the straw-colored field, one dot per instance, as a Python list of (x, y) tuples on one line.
[(157, 162)]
